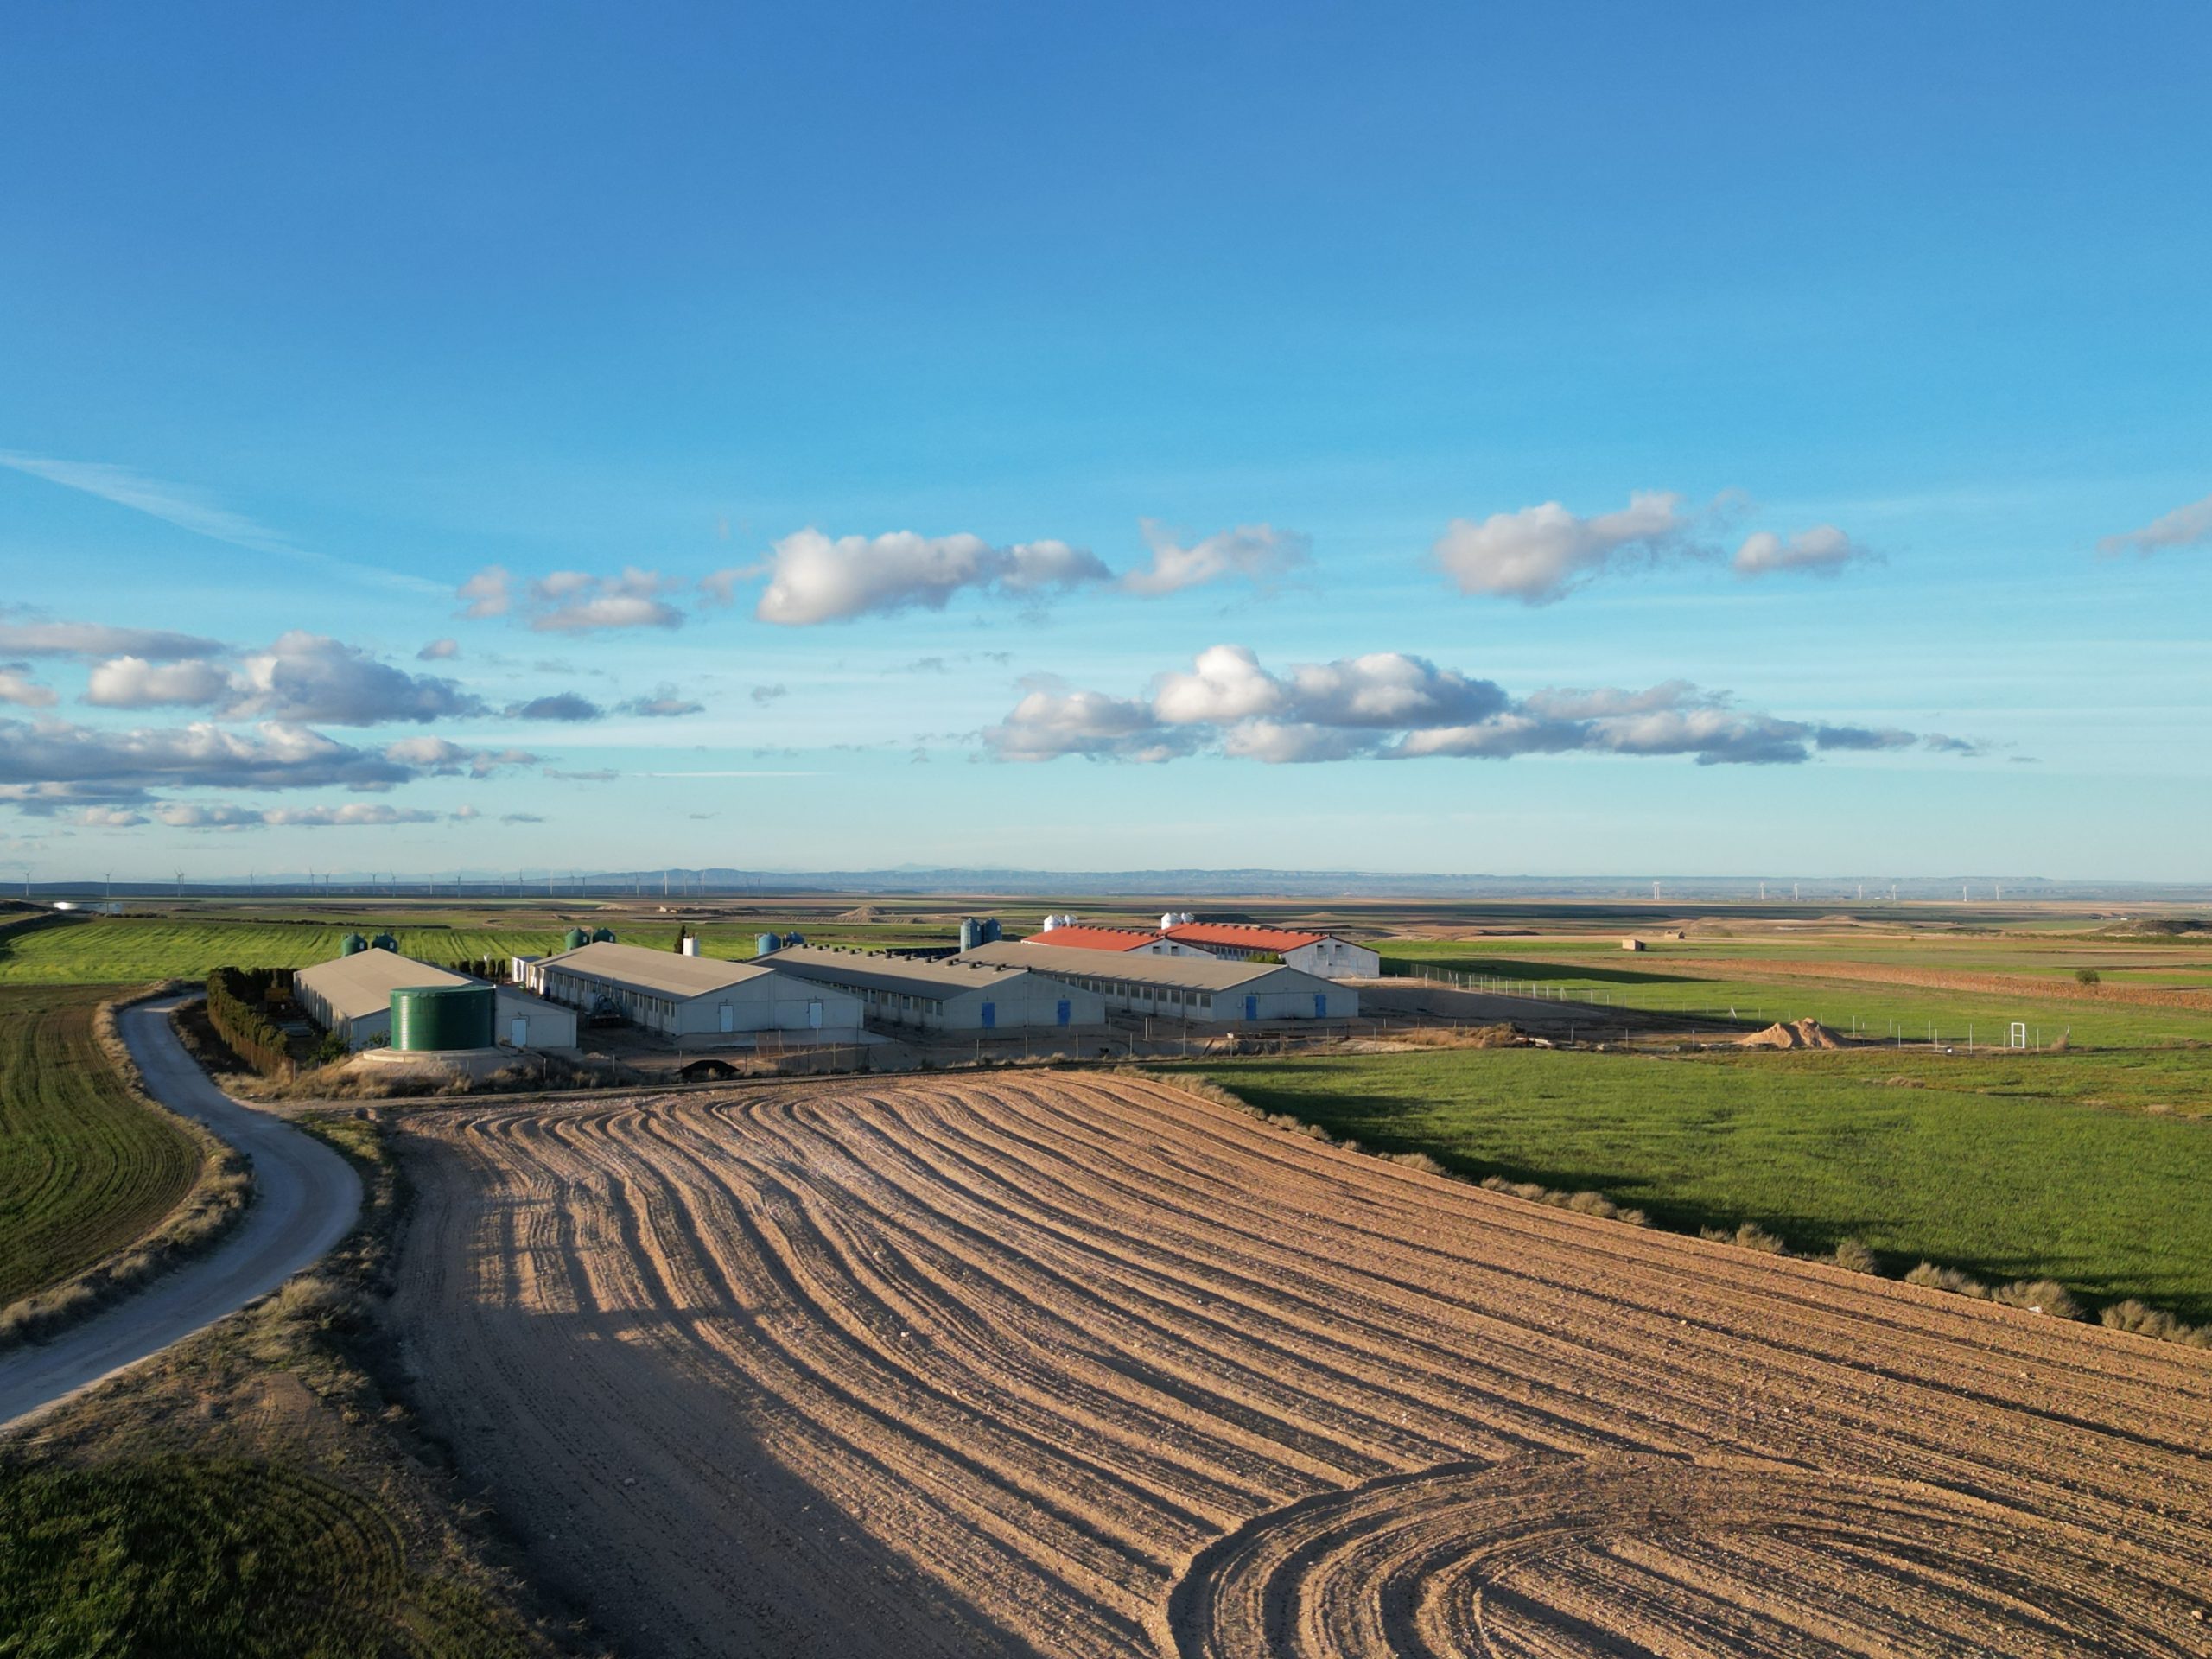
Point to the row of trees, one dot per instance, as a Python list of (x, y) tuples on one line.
[(237, 1000)]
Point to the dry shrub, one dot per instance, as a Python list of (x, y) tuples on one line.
[(1420, 1160), (1463, 1037), (2045, 1296), (1931, 1277), (2142, 1321), (1853, 1255), (1748, 1236), (1583, 1203)]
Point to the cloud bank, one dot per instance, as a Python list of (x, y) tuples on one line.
[(1387, 705), (2189, 526)]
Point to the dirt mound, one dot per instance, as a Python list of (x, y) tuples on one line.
[(1806, 1033), (862, 913), (1011, 1363)]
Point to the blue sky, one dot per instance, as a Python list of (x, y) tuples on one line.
[(1728, 440)]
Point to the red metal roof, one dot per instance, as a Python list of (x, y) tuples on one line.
[(1094, 939), (1238, 937)]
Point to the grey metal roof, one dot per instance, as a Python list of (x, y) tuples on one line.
[(666, 973), (1183, 973), (933, 982), (362, 984)]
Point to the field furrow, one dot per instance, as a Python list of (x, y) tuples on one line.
[(1085, 1366)]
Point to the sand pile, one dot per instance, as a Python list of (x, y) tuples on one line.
[(1806, 1033)]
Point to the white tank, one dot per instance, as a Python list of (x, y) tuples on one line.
[(1051, 922), (690, 946), (1168, 919)]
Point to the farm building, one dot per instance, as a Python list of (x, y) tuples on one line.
[(696, 1000), (1073, 936), (1322, 954), (955, 995), (351, 995), (1181, 988)]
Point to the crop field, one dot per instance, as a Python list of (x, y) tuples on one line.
[(131, 949), (217, 1558), (1033, 1362), (2008, 1186), (84, 1168), (1712, 982)]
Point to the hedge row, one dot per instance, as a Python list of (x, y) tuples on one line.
[(235, 996)]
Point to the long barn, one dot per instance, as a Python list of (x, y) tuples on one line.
[(696, 1002), (956, 995), (1197, 989)]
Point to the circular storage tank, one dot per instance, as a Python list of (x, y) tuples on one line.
[(971, 934), (351, 945), (794, 939), (602, 935), (426, 1019), (766, 944), (991, 933), (575, 939), (385, 942)]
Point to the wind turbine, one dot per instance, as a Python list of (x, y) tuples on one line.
[(180, 884)]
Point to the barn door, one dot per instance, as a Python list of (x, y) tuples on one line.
[(1065, 1012), (729, 1017), (1251, 1007), (990, 1016), (519, 1033)]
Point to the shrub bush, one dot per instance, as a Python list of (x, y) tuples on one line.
[(235, 996)]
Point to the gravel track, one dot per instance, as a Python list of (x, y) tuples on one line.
[(1056, 1364)]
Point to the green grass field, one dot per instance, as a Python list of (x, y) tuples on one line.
[(84, 1168), (196, 1558), (133, 950), (1709, 982), (2006, 1184)]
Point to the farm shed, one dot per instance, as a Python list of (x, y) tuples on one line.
[(955, 995), (351, 996), (697, 1001), (1181, 988), (1323, 955), (1073, 936)]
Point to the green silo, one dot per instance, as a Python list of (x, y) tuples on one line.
[(602, 935), (385, 942), (428, 1018), (575, 939), (352, 944)]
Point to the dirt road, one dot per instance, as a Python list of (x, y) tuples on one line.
[(305, 1200), (1067, 1365)]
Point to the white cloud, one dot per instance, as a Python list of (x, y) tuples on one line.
[(134, 683), (1049, 722), (17, 687), (489, 592), (1258, 553), (562, 706), (445, 758), (1823, 550), (2189, 526), (88, 640), (575, 601), (438, 651), (181, 815), (54, 760), (309, 676), (813, 579), (1225, 683), (1389, 705), (665, 704), (1541, 554), (108, 817)]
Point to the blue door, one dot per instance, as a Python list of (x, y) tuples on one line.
[(990, 1016), (1320, 1005), (1066, 1012), (1251, 1007)]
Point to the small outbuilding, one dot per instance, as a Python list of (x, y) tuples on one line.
[(962, 994), (695, 1001), (1631, 944)]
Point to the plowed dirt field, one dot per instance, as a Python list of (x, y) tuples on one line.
[(1064, 1365)]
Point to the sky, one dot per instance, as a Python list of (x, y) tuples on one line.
[(1722, 440)]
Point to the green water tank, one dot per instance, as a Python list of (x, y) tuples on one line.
[(428, 1018), (575, 939), (352, 944), (602, 935), (384, 942)]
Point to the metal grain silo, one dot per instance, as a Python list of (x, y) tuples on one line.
[(352, 944), (575, 939), (385, 942), (991, 932), (971, 934), (602, 935), (426, 1019), (766, 944)]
